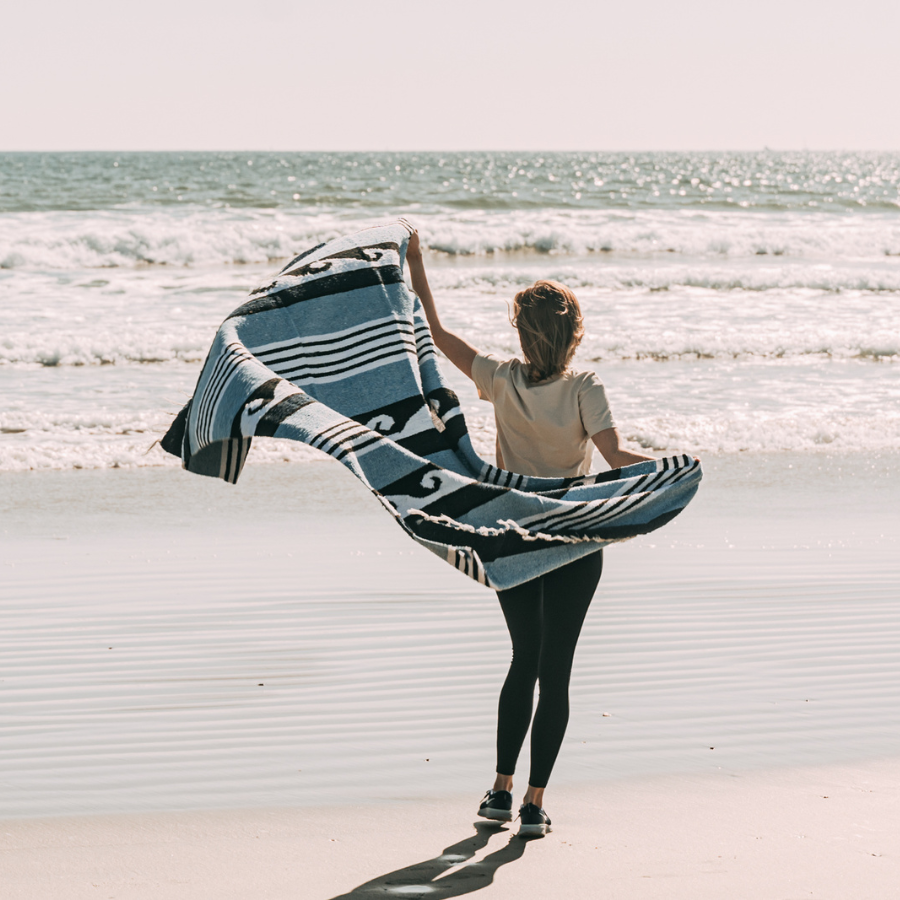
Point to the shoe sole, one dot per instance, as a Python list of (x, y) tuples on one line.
[(497, 815), (534, 830)]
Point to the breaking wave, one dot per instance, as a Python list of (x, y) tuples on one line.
[(199, 237)]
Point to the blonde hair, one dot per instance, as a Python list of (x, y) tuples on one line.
[(548, 319)]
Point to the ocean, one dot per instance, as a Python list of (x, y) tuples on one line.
[(733, 302)]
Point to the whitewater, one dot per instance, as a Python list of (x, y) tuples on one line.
[(733, 302)]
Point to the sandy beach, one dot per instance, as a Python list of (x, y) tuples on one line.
[(819, 832), (267, 689), (210, 693)]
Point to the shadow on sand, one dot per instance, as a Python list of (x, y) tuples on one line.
[(428, 879)]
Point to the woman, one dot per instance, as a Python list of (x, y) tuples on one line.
[(548, 420)]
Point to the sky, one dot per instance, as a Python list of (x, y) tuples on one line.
[(461, 75)]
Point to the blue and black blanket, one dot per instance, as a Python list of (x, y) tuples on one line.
[(336, 353)]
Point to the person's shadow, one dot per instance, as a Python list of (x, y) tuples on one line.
[(423, 879)]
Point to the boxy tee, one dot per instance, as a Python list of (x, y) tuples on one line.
[(546, 428)]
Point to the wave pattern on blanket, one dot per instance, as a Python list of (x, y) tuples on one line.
[(336, 353)]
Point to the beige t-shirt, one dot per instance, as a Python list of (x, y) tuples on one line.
[(543, 429)]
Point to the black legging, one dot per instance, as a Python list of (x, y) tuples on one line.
[(544, 617)]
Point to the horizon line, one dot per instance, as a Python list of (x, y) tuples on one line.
[(764, 149)]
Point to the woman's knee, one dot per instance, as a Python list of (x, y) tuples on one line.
[(525, 666), (553, 680), (526, 649)]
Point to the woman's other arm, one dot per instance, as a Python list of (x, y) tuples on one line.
[(607, 442), (459, 352)]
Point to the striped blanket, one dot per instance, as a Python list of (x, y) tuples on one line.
[(336, 352)]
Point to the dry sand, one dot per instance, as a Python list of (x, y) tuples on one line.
[(777, 835)]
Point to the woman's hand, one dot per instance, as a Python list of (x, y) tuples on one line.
[(414, 248)]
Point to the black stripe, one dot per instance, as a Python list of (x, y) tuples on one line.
[(303, 255), (271, 363), (291, 373), (351, 253), (662, 479), (400, 412), (549, 517), (263, 393), (634, 500), (211, 396), (599, 478), (221, 362), (410, 485), (225, 364), (425, 443), (336, 426), (332, 433), (639, 484), (186, 437), (355, 448), (464, 500), (617, 506), (301, 345), (341, 283), (442, 401), (228, 454), (243, 452), (340, 439), (455, 428), (268, 424), (569, 521)]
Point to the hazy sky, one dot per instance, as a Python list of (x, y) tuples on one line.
[(272, 74)]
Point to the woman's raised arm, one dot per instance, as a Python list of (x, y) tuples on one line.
[(460, 352)]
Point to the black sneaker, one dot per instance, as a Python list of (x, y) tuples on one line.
[(496, 805), (533, 821)]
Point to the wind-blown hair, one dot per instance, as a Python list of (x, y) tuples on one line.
[(548, 319)]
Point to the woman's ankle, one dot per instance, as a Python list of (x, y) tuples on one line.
[(534, 795), (503, 783)]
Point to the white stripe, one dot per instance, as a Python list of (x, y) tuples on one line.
[(312, 356), (350, 373), (212, 403), (334, 358), (328, 336)]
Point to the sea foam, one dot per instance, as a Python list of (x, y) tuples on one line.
[(192, 237)]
